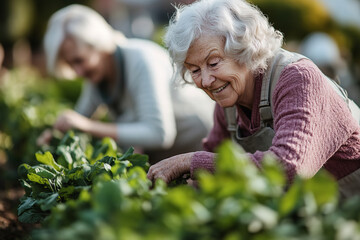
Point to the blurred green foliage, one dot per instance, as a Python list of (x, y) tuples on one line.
[(30, 103), (296, 19), (352, 41), (27, 19), (238, 201)]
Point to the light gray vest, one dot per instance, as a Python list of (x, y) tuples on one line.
[(262, 139)]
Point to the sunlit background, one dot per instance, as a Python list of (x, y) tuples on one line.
[(23, 23)]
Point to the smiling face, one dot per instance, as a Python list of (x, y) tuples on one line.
[(226, 81), (85, 60)]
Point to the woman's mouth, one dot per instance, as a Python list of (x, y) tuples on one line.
[(220, 88)]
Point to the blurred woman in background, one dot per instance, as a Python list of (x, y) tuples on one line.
[(132, 77)]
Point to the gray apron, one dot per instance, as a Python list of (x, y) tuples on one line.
[(349, 185), (261, 140)]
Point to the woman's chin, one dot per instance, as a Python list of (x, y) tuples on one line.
[(95, 81), (225, 103)]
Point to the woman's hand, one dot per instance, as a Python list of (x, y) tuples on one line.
[(44, 138), (170, 168), (71, 119)]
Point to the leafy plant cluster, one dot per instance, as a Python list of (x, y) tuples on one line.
[(61, 176), (238, 201)]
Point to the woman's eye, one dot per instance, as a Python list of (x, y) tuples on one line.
[(77, 61), (195, 71), (214, 62)]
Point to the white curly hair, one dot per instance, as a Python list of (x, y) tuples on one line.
[(249, 37), (82, 23)]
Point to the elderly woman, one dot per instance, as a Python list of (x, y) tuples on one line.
[(132, 77), (267, 99)]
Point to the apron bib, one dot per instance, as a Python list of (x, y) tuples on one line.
[(349, 185), (261, 140)]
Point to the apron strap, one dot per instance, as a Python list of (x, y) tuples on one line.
[(281, 59), (230, 116), (349, 185), (115, 98)]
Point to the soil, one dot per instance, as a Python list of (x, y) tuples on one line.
[(10, 193), (10, 227)]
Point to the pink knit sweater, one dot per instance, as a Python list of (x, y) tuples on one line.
[(314, 127)]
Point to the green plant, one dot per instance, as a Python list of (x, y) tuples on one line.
[(72, 170), (238, 201)]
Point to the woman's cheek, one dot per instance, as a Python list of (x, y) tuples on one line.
[(197, 81)]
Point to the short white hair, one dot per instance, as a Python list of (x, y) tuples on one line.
[(249, 37), (82, 23)]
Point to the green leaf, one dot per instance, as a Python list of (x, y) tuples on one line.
[(127, 154), (77, 173), (109, 196), (26, 204), (107, 167), (112, 147), (120, 167), (33, 215), (44, 173), (48, 201), (64, 152), (68, 138), (291, 198), (108, 160), (37, 179), (96, 170), (107, 147), (140, 160), (232, 158), (27, 187), (323, 186), (89, 150), (48, 159), (72, 192), (273, 171), (266, 215), (24, 169)]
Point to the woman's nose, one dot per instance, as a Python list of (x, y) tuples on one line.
[(207, 79)]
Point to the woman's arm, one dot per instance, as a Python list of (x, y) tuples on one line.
[(170, 168), (71, 119)]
